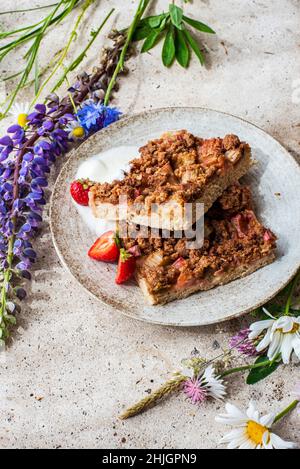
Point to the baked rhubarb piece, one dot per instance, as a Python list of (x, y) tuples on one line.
[(236, 244), (176, 169)]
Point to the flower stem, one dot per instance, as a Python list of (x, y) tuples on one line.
[(291, 292), (5, 284), (245, 368), (32, 57), (80, 57), (286, 411), (137, 17), (73, 34), (27, 9)]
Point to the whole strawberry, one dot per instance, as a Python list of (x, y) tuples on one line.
[(80, 191), (126, 266)]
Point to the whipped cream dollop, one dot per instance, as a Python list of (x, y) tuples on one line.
[(104, 167)]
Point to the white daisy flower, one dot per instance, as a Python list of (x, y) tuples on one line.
[(206, 385), (282, 336), (251, 431), (20, 112), (75, 129)]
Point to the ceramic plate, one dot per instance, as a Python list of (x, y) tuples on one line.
[(275, 182)]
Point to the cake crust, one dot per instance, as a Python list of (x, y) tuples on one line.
[(176, 169), (236, 244)]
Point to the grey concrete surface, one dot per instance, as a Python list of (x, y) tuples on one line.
[(74, 363)]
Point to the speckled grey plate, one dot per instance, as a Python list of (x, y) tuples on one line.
[(276, 173)]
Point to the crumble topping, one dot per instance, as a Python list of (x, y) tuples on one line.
[(177, 165), (234, 237)]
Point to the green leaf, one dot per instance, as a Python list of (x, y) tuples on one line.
[(146, 25), (198, 25), (194, 46), (36, 76), (155, 21), (151, 41), (258, 374), (182, 51), (176, 14), (141, 33), (168, 51)]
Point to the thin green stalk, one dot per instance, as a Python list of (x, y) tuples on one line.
[(32, 59), (16, 31), (11, 77), (81, 56), (245, 368), (286, 411), (291, 292), (137, 17), (5, 283), (27, 9), (27, 37), (65, 51), (65, 13)]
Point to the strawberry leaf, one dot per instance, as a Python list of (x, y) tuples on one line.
[(124, 255)]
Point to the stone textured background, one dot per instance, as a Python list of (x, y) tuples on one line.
[(74, 363)]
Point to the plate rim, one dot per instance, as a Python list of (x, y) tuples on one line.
[(103, 297)]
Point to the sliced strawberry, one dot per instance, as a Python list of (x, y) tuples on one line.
[(80, 191), (126, 266), (106, 248)]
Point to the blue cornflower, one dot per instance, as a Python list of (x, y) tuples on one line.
[(94, 116)]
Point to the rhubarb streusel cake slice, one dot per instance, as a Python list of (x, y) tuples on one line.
[(173, 171), (236, 244)]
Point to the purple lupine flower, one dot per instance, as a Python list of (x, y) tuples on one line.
[(21, 214), (46, 127), (14, 128), (6, 141), (243, 344), (20, 293)]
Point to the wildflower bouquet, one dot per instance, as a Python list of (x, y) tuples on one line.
[(31, 146), (273, 340)]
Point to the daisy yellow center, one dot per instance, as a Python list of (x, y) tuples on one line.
[(22, 119), (296, 328), (255, 432), (78, 132)]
